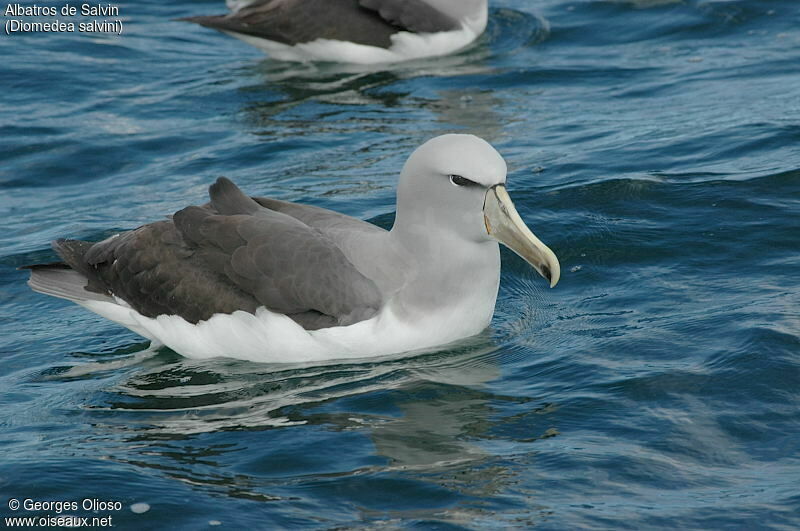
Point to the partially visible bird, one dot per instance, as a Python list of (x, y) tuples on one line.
[(352, 31)]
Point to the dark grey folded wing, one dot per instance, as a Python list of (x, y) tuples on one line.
[(412, 15), (233, 255), (297, 21), (156, 273)]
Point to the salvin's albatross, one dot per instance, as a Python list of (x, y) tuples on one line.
[(268, 280), (352, 31)]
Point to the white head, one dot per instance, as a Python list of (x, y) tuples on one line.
[(453, 186)]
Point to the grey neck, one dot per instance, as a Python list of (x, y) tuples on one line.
[(444, 270), (460, 9)]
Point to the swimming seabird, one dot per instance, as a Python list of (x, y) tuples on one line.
[(268, 280), (352, 31)]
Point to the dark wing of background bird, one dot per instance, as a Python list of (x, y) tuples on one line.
[(368, 22)]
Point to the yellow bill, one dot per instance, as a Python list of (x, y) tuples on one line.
[(504, 224)]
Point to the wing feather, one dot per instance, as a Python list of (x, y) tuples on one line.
[(412, 15)]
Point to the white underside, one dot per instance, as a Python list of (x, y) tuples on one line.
[(271, 337), (405, 46)]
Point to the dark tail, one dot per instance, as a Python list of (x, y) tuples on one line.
[(68, 279)]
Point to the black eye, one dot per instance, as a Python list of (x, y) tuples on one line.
[(462, 181)]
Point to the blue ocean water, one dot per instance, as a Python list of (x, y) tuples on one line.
[(652, 144)]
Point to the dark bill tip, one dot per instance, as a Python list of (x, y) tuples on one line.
[(546, 272)]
